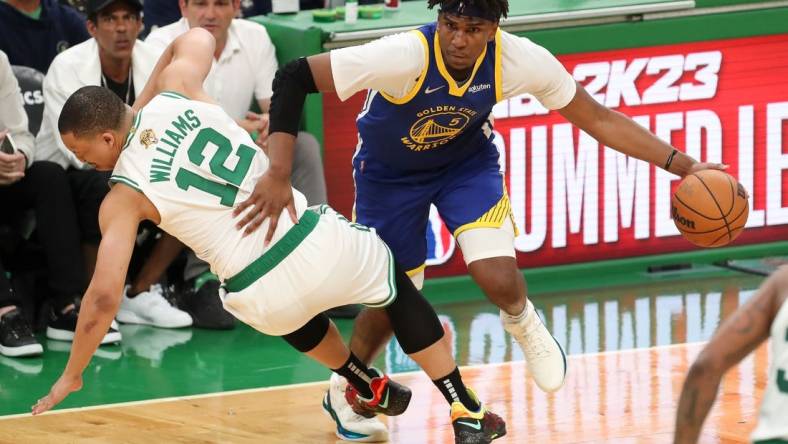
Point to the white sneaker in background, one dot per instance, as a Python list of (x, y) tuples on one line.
[(151, 308), (544, 357), (350, 426)]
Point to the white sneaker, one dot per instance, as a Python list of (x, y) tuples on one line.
[(544, 357), (350, 426), (150, 308)]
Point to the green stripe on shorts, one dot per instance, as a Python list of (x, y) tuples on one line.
[(391, 279), (276, 254)]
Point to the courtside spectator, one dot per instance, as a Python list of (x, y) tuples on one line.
[(33, 32), (43, 187), (115, 59)]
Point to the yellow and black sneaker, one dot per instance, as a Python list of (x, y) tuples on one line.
[(475, 427)]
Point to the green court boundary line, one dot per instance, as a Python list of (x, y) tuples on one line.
[(325, 382), (615, 273)]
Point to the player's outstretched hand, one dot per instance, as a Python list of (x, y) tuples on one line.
[(700, 166), (62, 388), (270, 196)]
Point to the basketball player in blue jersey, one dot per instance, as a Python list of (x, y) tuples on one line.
[(425, 137)]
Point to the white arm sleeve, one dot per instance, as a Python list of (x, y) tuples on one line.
[(528, 68), (265, 61), (55, 96), (391, 65)]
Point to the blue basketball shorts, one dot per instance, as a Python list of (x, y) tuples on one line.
[(471, 194)]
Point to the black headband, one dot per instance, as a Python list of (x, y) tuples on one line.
[(468, 9)]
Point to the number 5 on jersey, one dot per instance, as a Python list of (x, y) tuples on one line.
[(227, 191)]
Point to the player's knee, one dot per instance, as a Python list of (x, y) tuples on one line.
[(308, 336), (498, 278), (503, 284), (413, 319), (49, 172)]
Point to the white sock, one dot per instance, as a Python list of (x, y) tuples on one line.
[(514, 319)]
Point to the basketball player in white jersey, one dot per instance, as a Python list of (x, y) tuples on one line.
[(763, 316), (180, 161)]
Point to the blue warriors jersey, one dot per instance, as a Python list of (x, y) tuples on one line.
[(436, 125)]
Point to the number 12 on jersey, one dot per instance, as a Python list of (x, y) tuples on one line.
[(228, 190)]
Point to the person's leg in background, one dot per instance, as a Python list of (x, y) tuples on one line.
[(88, 187), (46, 189), (148, 306), (201, 296), (143, 300), (16, 336)]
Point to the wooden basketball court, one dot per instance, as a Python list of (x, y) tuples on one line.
[(625, 396)]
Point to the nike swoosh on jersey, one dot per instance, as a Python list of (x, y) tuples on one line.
[(474, 425), (432, 90)]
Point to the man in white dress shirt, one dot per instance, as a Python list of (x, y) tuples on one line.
[(114, 59)]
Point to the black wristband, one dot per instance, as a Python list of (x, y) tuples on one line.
[(291, 85), (670, 159)]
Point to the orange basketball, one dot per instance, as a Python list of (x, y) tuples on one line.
[(710, 208)]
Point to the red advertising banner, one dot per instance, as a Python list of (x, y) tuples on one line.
[(575, 200)]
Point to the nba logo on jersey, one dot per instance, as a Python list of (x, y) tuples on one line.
[(440, 242)]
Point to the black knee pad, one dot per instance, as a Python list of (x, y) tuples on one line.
[(413, 319), (309, 336)]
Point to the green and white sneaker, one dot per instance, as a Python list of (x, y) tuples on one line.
[(350, 425)]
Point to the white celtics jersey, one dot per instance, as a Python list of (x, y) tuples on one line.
[(194, 163), (773, 418)]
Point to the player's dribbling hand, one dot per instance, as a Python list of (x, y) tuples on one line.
[(270, 196), (700, 166), (63, 387)]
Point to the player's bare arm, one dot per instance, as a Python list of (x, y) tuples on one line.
[(273, 191), (621, 133), (737, 337), (182, 68), (120, 214)]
